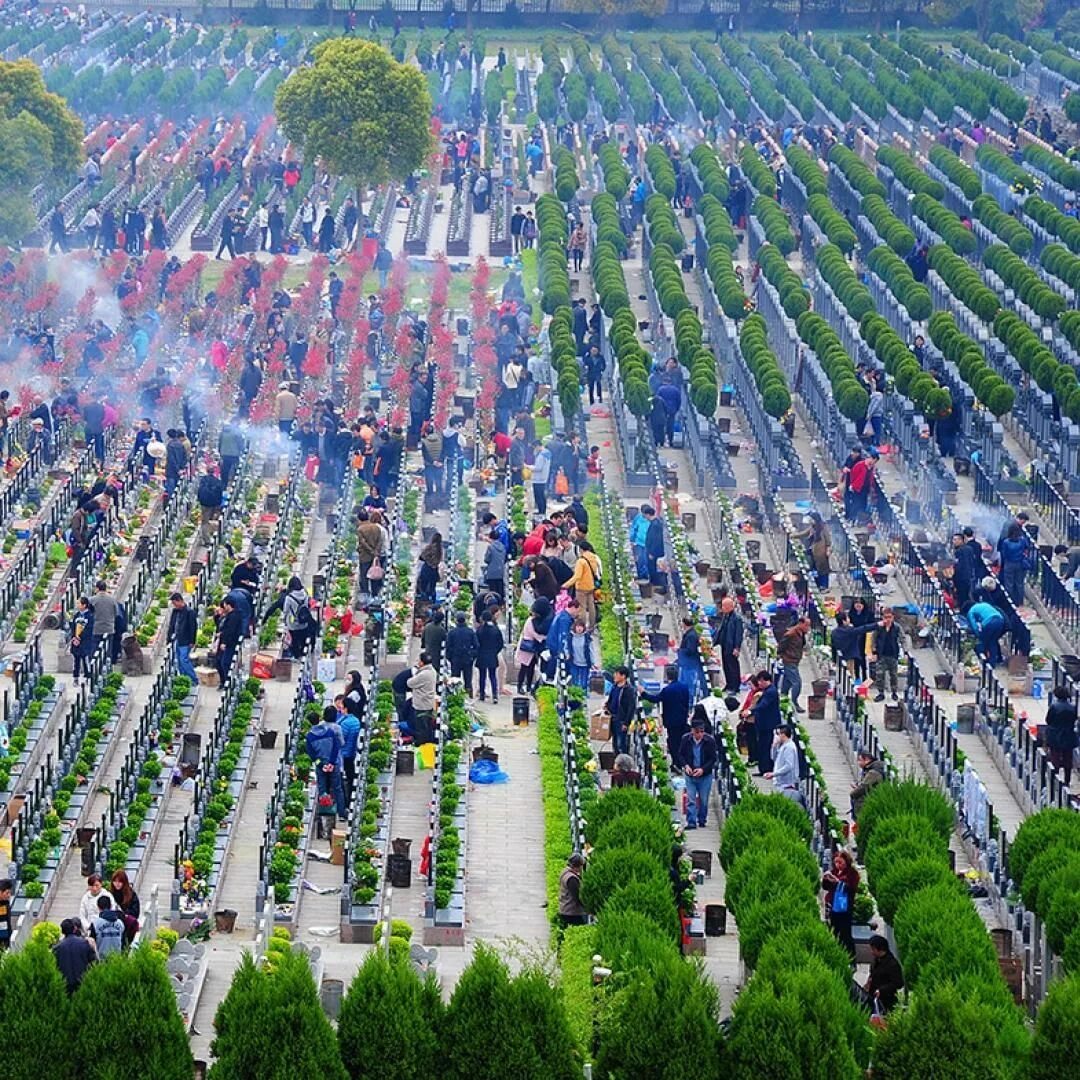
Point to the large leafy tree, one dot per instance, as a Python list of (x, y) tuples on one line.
[(366, 116), (40, 135), (36, 1011)]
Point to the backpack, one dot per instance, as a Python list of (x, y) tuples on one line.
[(305, 620), (210, 491)]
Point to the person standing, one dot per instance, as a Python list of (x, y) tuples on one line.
[(765, 714), (107, 929), (125, 900), (1061, 740), (57, 231), (324, 743), (674, 701), (841, 884), (349, 724), (433, 639), (571, 910), (621, 707), (73, 954), (585, 580), (697, 759), (489, 646), (230, 633), (307, 221), (791, 647), (285, 408), (90, 225), (886, 976), (462, 649), (728, 637), (182, 631), (887, 654), (105, 608), (578, 243), (785, 770), (871, 773), (88, 905), (517, 222), (6, 888), (541, 475), (594, 365), (228, 236), (688, 658), (83, 642), (424, 688)]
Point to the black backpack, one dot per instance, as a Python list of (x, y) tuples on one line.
[(210, 491)]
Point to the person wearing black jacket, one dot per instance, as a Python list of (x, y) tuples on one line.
[(674, 702), (886, 976), (887, 648), (1061, 738), (462, 648), (73, 954), (697, 759), (230, 632), (728, 637), (489, 646), (621, 706), (654, 549), (183, 627)]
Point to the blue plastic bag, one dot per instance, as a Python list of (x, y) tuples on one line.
[(485, 771)]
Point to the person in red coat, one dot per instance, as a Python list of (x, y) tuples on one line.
[(841, 883)]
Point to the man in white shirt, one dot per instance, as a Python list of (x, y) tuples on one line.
[(785, 774)]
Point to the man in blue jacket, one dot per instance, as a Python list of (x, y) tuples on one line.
[(349, 726), (674, 701), (697, 759), (639, 529), (557, 634), (324, 743)]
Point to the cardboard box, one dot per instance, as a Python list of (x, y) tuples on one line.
[(337, 846), (600, 726)]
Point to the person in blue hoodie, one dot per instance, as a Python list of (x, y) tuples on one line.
[(579, 654), (349, 724), (988, 624), (639, 529), (674, 701), (324, 744), (558, 632), (1014, 548)]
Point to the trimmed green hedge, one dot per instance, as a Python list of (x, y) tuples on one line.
[(958, 171), (1004, 226), (991, 389), (851, 397), (929, 397), (833, 224), (757, 173), (897, 275), (1056, 259), (616, 174), (668, 281), (726, 284), (904, 830), (661, 170), (711, 172), (856, 172), (1069, 325), (945, 223), (1003, 167), (825, 88), (887, 225), (554, 232), (701, 90), (1065, 228), (1037, 359), (663, 225), (564, 360), (843, 281), (775, 222), (566, 177), (964, 282), (908, 173), (731, 90), (794, 298), (763, 365), (1024, 281), (718, 227), (1057, 168)]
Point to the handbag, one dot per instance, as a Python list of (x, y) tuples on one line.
[(529, 645), (841, 902), (376, 571)]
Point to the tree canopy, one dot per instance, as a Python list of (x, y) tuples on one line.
[(364, 114), (23, 97)]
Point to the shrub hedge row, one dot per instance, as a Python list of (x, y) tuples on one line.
[(964, 282), (801, 973), (825, 88), (851, 397), (805, 166), (832, 223), (701, 90), (1038, 360), (564, 360), (1004, 226), (1057, 168), (1056, 259), (794, 298), (1024, 281), (763, 365), (1069, 325), (761, 86), (928, 396), (1044, 864), (957, 170), (662, 79), (616, 174), (904, 831), (945, 223), (719, 266), (843, 281), (856, 172), (566, 177), (908, 173), (711, 172), (668, 281), (605, 215), (554, 232), (664, 230), (789, 80), (627, 75), (1065, 228), (724, 79), (759, 175), (1004, 168), (660, 170), (887, 225), (991, 389), (718, 227), (632, 361), (897, 275), (775, 222)]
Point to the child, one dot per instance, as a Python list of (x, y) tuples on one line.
[(579, 654), (592, 463)]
